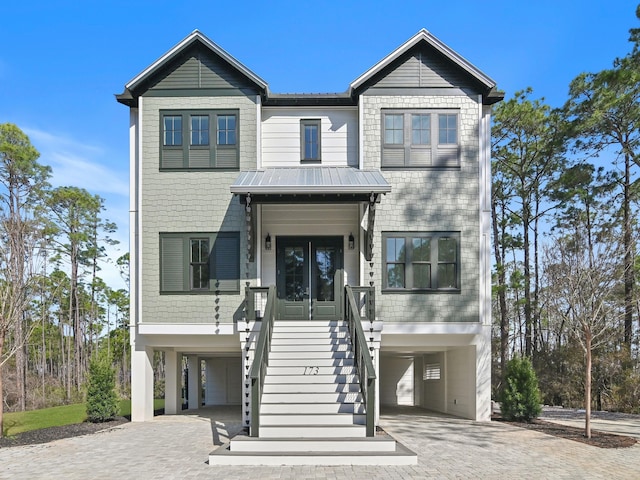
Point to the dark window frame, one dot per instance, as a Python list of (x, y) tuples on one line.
[(310, 122), (440, 154), (181, 158), (218, 281), (409, 261)]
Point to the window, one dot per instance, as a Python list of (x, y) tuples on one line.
[(198, 128), (172, 130), (310, 140), (226, 129), (420, 138), (448, 128), (199, 262), (424, 261)]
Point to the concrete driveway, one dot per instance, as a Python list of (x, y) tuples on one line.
[(177, 447)]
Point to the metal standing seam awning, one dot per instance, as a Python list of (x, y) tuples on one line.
[(309, 185), (310, 181)]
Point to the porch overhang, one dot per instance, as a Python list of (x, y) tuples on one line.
[(310, 184)]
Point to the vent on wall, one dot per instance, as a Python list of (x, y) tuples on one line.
[(431, 371)]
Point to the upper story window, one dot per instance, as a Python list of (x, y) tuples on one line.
[(199, 127), (226, 129), (172, 130), (310, 140), (199, 130), (421, 261), (420, 138)]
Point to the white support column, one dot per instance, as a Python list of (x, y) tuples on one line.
[(141, 383), (376, 363), (483, 375), (172, 385), (195, 382)]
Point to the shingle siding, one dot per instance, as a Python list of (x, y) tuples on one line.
[(190, 201), (429, 200)]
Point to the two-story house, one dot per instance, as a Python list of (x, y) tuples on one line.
[(368, 209)]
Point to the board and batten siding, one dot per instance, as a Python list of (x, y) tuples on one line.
[(200, 68), (281, 136), (424, 69), (310, 220)]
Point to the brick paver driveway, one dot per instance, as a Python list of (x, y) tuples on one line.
[(178, 446)]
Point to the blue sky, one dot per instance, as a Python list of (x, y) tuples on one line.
[(63, 61)]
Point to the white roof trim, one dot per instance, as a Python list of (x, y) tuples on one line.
[(196, 34), (435, 43)]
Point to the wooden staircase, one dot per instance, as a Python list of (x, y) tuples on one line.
[(312, 410)]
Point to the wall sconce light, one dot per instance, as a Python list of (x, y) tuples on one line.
[(352, 242), (267, 242)]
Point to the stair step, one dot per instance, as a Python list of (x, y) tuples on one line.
[(311, 379), (281, 327), (309, 341), (311, 362), (311, 387), (311, 408), (308, 355), (312, 431), (324, 347), (315, 397), (275, 419), (312, 371), (243, 443), (278, 334), (309, 323)]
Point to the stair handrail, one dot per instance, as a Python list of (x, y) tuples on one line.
[(362, 355), (261, 360)]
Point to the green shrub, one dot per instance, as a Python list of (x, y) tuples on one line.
[(521, 396), (102, 401)]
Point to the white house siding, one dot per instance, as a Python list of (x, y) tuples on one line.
[(281, 136), (190, 201), (461, 382), (223, 381), (311, 220), (397, 380), (429, 200), (434, 391)]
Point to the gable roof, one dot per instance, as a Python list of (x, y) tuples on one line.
[(423, 36), (129, 94), (138, 85)]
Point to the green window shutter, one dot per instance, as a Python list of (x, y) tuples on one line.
[(172, 263), (226, 259)]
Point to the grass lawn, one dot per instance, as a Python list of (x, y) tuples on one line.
[(18, 422)]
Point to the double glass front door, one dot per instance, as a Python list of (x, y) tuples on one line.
[(309, 277)]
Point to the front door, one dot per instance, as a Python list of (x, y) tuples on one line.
[(309, 277)]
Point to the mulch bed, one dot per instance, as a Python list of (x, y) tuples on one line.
[(598, 439), (50, 434)]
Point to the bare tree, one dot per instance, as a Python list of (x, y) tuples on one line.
[(22, 181), (581, 280)]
